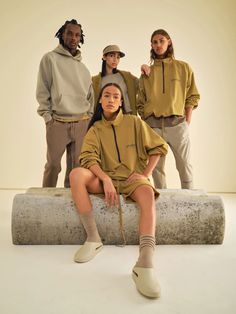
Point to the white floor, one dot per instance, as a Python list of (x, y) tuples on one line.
[(45, 280)]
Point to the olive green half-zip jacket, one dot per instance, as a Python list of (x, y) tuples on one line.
[(168, 90), (131, 82), (120, 147)]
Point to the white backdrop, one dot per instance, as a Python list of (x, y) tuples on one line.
[(203, 33)]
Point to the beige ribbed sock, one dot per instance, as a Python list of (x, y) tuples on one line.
[(146, 251), (90, 227)]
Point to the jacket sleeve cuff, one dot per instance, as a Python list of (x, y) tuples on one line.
[(158, 151), (88, 164), (191, 105)]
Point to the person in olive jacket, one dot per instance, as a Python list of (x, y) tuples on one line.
[(110, 74), (166, 99), (118, 155)]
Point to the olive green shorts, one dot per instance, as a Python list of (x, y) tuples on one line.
[(127, 189)]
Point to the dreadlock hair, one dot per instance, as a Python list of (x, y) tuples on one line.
[(62, 30), (98, 109), (104, 69), (170, 50)]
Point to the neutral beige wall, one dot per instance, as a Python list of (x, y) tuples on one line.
[(203, 33)]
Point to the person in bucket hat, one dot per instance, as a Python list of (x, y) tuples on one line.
[(110, 74)]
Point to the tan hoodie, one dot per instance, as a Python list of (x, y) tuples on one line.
[(120, 147), (168, 90), (64, 87)]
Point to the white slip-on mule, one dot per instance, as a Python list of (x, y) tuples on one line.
[(145, 281), (88, 251)]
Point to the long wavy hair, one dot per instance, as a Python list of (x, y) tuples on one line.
[(98, 109), (170, 50)]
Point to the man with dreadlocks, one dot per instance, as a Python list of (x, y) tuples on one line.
[(66, 100)]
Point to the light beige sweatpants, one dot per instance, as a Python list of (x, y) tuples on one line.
[(61, 136), (178, 140)]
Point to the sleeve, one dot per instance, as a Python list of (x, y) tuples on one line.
[(151, 142), (43, 90), (141, 99), (90, 152), (96, 81), (192, 95), (90, 98), (136, 81)]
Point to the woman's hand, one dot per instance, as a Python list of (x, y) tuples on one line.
[(111, 197), (135, 176)]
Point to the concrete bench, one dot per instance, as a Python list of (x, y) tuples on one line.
[(49, 216)]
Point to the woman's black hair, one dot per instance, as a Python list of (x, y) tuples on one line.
[(104, 68), (61, 30), (98, 108), (170, 50)]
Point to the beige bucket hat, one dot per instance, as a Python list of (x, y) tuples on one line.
[(113, 48)]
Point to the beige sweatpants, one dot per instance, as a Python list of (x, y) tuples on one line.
[(178, 140), (62, 136)]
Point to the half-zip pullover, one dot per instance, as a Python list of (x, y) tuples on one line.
[(120, 147), (117, 148), (168, 90)]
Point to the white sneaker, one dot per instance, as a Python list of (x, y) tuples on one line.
[(146, 282), (88, 251)]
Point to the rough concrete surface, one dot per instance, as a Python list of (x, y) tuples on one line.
[(49, 216)]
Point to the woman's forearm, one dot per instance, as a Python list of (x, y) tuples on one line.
[(152, 162), (98, 172)]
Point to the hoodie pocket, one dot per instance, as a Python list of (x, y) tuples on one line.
[(72, 104)]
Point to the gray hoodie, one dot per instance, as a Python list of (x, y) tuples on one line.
[(64, 87)]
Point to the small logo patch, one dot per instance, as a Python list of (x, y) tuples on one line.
[(130, 145)]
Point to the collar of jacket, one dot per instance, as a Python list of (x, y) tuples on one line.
[(166, 60), (115, 122), (62, 51)]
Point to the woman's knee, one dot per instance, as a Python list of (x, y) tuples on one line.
[(143, 195), (145, 191), (77, 173)]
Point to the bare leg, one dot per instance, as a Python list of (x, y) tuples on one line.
[(144, 197), (82, 182)]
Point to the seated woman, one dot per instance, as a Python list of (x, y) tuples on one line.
[(119, 151)]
